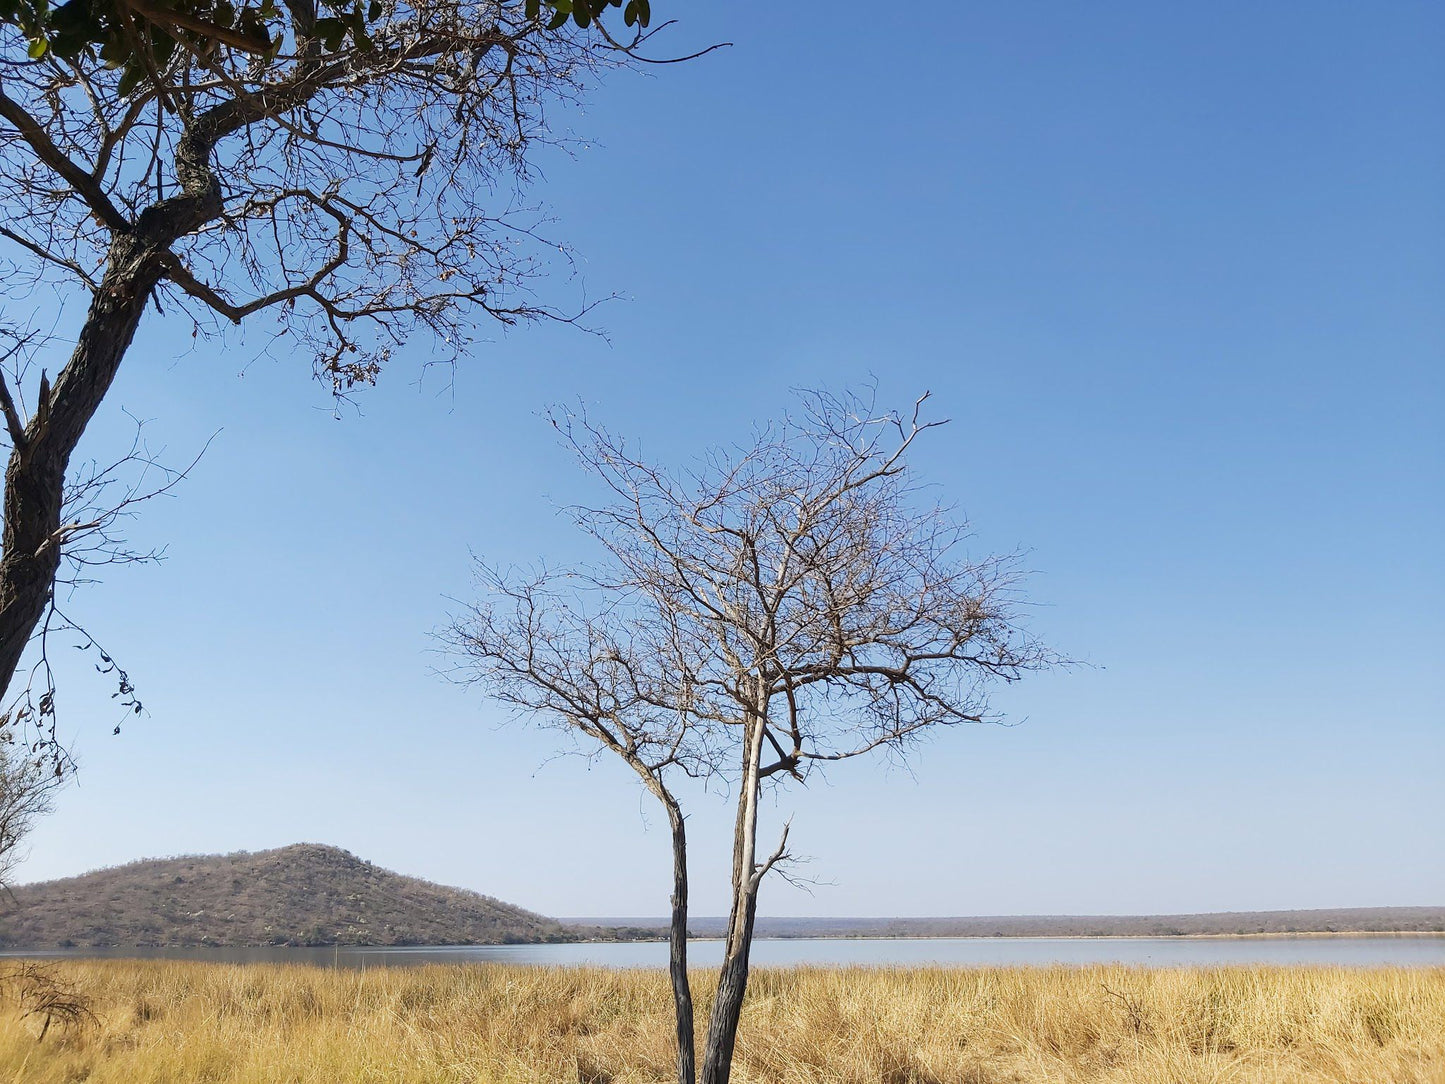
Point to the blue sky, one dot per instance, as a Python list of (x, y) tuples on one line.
[(1174, 274)]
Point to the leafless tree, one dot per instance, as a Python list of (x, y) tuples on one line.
[(619, 677), (354, 184), (26, 785), (781, 606)]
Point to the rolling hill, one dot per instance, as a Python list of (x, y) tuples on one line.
[(306, 894)]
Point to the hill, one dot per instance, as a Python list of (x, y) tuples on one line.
[(306, 894)]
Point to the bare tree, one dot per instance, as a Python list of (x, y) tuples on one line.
[(355, 180), (26, 785), (780, 606), (618, 677)]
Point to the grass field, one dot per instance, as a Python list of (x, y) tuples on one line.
[(174, 1022)]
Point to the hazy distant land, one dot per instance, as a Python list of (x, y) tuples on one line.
[(1342, 920), (309, 894)]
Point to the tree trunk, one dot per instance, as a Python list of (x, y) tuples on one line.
[(727, 1009), (35, 475), (732, 983), (677, 956)]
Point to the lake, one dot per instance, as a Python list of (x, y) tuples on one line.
[(1428, 951)]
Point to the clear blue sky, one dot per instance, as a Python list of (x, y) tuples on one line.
[(1176, 275)]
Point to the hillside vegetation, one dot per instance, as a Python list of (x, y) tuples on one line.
[(161, 1022), (305, 894)]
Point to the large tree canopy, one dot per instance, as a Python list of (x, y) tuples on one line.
[(141, 36), (356, 182)]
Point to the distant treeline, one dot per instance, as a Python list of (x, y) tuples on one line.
[(309, 894), (1336, 920)]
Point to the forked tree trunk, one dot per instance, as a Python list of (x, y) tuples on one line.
[(732, 983)]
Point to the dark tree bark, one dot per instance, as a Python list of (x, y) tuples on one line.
[(677, 954), (35, 475), (732, 985)]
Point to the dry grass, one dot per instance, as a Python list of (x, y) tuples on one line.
[(159, 1021)]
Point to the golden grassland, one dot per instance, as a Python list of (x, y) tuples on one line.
[(166, 1021)]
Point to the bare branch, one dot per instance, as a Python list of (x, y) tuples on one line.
[(44, 254), (793, 594), (780, 854), (45, 150)]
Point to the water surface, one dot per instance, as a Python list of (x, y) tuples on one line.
[(857, 952)]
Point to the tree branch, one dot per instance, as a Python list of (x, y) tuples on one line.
[(168, 17), (81, 182)]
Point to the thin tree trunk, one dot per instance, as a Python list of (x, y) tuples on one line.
[(677, 956), (732, 983)]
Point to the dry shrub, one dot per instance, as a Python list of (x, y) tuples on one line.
[(38, 993)]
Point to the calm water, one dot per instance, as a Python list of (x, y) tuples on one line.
[(867, 952)]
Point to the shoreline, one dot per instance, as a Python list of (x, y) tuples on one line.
[(80, 951), (1322, 935), (1285, 935)]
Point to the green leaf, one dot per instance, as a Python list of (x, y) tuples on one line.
[(114, 51), (163, 45), (559, 20), (69, 45), (37, 49), (582, 15), (534, 8), (358, 29), (374, 11), (73, 16), (250, 23), (331, 32), (129, 79)]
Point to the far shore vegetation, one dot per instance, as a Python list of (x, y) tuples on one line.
[(309, 895)]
